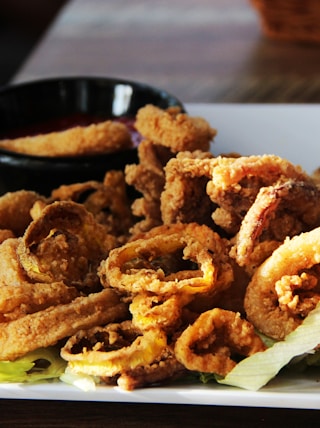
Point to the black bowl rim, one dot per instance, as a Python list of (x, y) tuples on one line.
[(112, 80), (173, 101)]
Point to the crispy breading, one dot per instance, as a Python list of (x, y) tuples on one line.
[(103, 137), (174, 129)]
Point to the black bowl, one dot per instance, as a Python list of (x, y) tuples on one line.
[(53, 104)]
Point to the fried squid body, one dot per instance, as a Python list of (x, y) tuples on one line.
[(196, 253)]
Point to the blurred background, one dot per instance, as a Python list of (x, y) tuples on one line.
[(199, 50), (22, 24)]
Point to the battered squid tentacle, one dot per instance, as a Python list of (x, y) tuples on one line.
[(171, 259), (236, 182), (287, 280), (215, 342)]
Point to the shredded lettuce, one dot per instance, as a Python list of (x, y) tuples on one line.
[(42, 364), (254, 372), (81, 381)]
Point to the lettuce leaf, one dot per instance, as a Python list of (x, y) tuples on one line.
[(42, 364), (254, 372), (81, 381)]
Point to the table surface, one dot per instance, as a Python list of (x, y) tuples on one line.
[(202, 51)]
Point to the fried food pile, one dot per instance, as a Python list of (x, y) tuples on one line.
[(180, 278)]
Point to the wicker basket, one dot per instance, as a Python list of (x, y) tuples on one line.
[(294, 20)]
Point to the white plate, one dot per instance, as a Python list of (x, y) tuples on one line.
[(289, 131)]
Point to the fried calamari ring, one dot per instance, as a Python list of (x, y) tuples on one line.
[(64, 244), (15, 210), (184, 198), (215, 340), (157, 311), (174, 129), (45, 328), (107, 351), (103, 137), (284, 209), (285, 287), (107, 201), (169, 259)]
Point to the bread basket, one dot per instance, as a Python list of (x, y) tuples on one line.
[(291, 20)]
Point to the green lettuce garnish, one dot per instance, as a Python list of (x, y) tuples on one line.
[(254, 372), (42, 364)]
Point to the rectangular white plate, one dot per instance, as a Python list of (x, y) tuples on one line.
[(291, 131)]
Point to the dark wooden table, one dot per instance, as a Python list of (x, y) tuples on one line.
[(202, 51)]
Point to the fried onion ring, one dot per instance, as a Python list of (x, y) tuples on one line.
[(212, 342)]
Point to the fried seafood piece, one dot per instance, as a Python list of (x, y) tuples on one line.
[(15, 210), (46, 327), (64, 244), (18, 295), (174, 129), (230, 298), (282, 210), (108, 201), (165, 133), (163, 369), (285, 288), (28, 298), (214, 342), (147, 177), (175, 258), (103, 137), (6, 234), (11, 271), (150, 310), (108, 351), (184, 198), (236, 182)]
